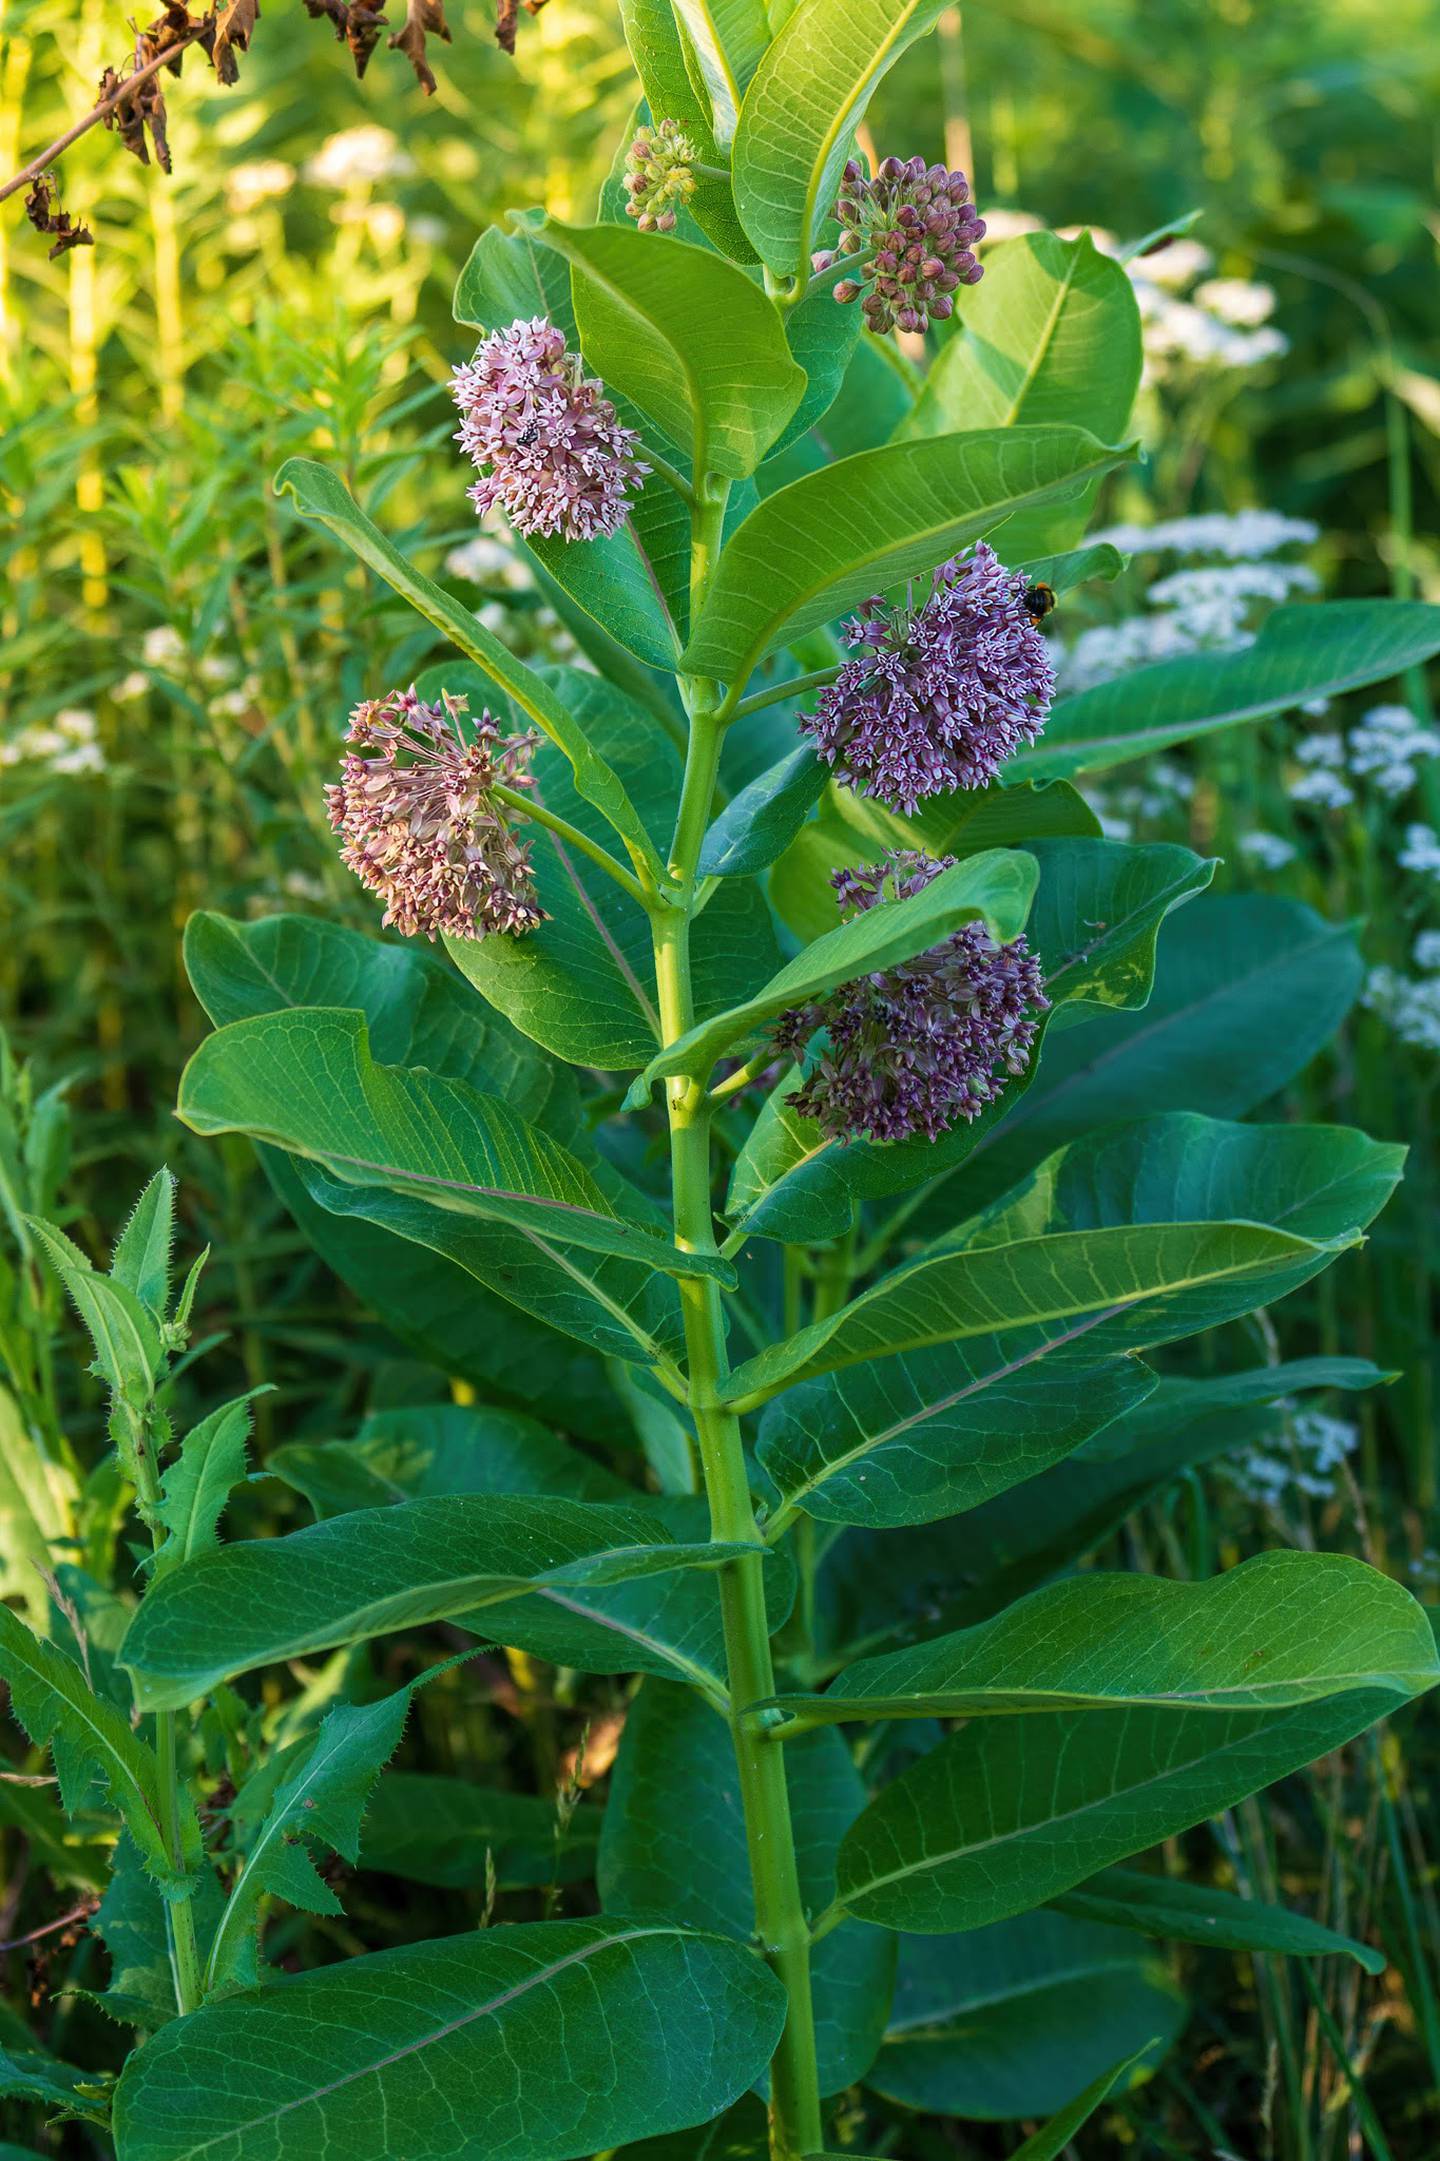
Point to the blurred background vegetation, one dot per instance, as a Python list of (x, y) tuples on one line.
[(179, 658)]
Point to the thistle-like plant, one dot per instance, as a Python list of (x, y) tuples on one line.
[(853, 1296)]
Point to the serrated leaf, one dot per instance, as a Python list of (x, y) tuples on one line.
[(88, 1739), (324, 1784), (198, 1483), (996, 887), (1148, 1706), (514, 2035), (686, 335), (1318, 649), (320, 494), (934, 1433), (800, 113), (1175, 1911), (124, 1332), (814, 548), (142, 1258), (378, 1569), (674, 1844), (1014, 2020)]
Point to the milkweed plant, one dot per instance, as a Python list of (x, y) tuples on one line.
[(814, 1144)]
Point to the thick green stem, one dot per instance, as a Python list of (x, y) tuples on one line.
[(782, 1926), (179, 1911)]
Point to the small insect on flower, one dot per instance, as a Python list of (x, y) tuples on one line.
[(940, 695), (913, 231), (913, 1048), (1038, 601), (422, 823), (544, 437)]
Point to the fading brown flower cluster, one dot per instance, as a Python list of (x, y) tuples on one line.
[(422, 824)]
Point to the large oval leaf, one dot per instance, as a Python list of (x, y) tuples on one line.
[(378, 1569), (674, 1844), (418, 1451), (800, 114), (813, 549), (653, 35), (1052, 332), (686, 335), (1174, 1701), (1015, 2019), (1318, 649), (507, 2045)]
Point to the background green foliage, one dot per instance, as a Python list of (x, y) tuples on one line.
[(238, 315)]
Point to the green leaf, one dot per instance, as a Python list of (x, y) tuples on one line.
[(497, 2046), (583, 983), (653, 35), (1050, 334), (320, 494), (142, 1258), (798, 121), (1248, 988), (36, 1498), (686, 335), (1076, 566), (378, 1569), (728, 39), (421, 1013), (316, 1791), (197, 1484), (1318, 649), (90, 1741), (305, 1081), (1150, 1231), (742, 2134), (814, 548), (1179, 1912), (436, 1448), (907, 1439), (674, 1845), (760, 822), (1149, 1706), (1015, 2019), (34, 2076), (1097, 910), (440, 1831), (995, 886), (124, 1332), (1053, 2140)]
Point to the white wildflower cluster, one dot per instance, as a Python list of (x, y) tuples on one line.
[(1201, 607), (1268, 851), (1224, 322), (1421, 851), (259, 181), (67, 744), (1386, 748), (1409, 1005), (1306, 1461), (487, 559), (359, 157), (1236, 536)]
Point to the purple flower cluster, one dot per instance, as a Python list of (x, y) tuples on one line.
[(422, 826), (543, 435), (915, 1047), (940, 695), (918, 230), (658, 175)]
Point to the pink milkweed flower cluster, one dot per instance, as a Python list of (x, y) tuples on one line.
[(914, 231), (544, 436), (941, 695), (421, 823), (913, 1048)]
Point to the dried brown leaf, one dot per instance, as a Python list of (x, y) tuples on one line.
[(42, 208), (357, 26), (235, 22), (422, 17)]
